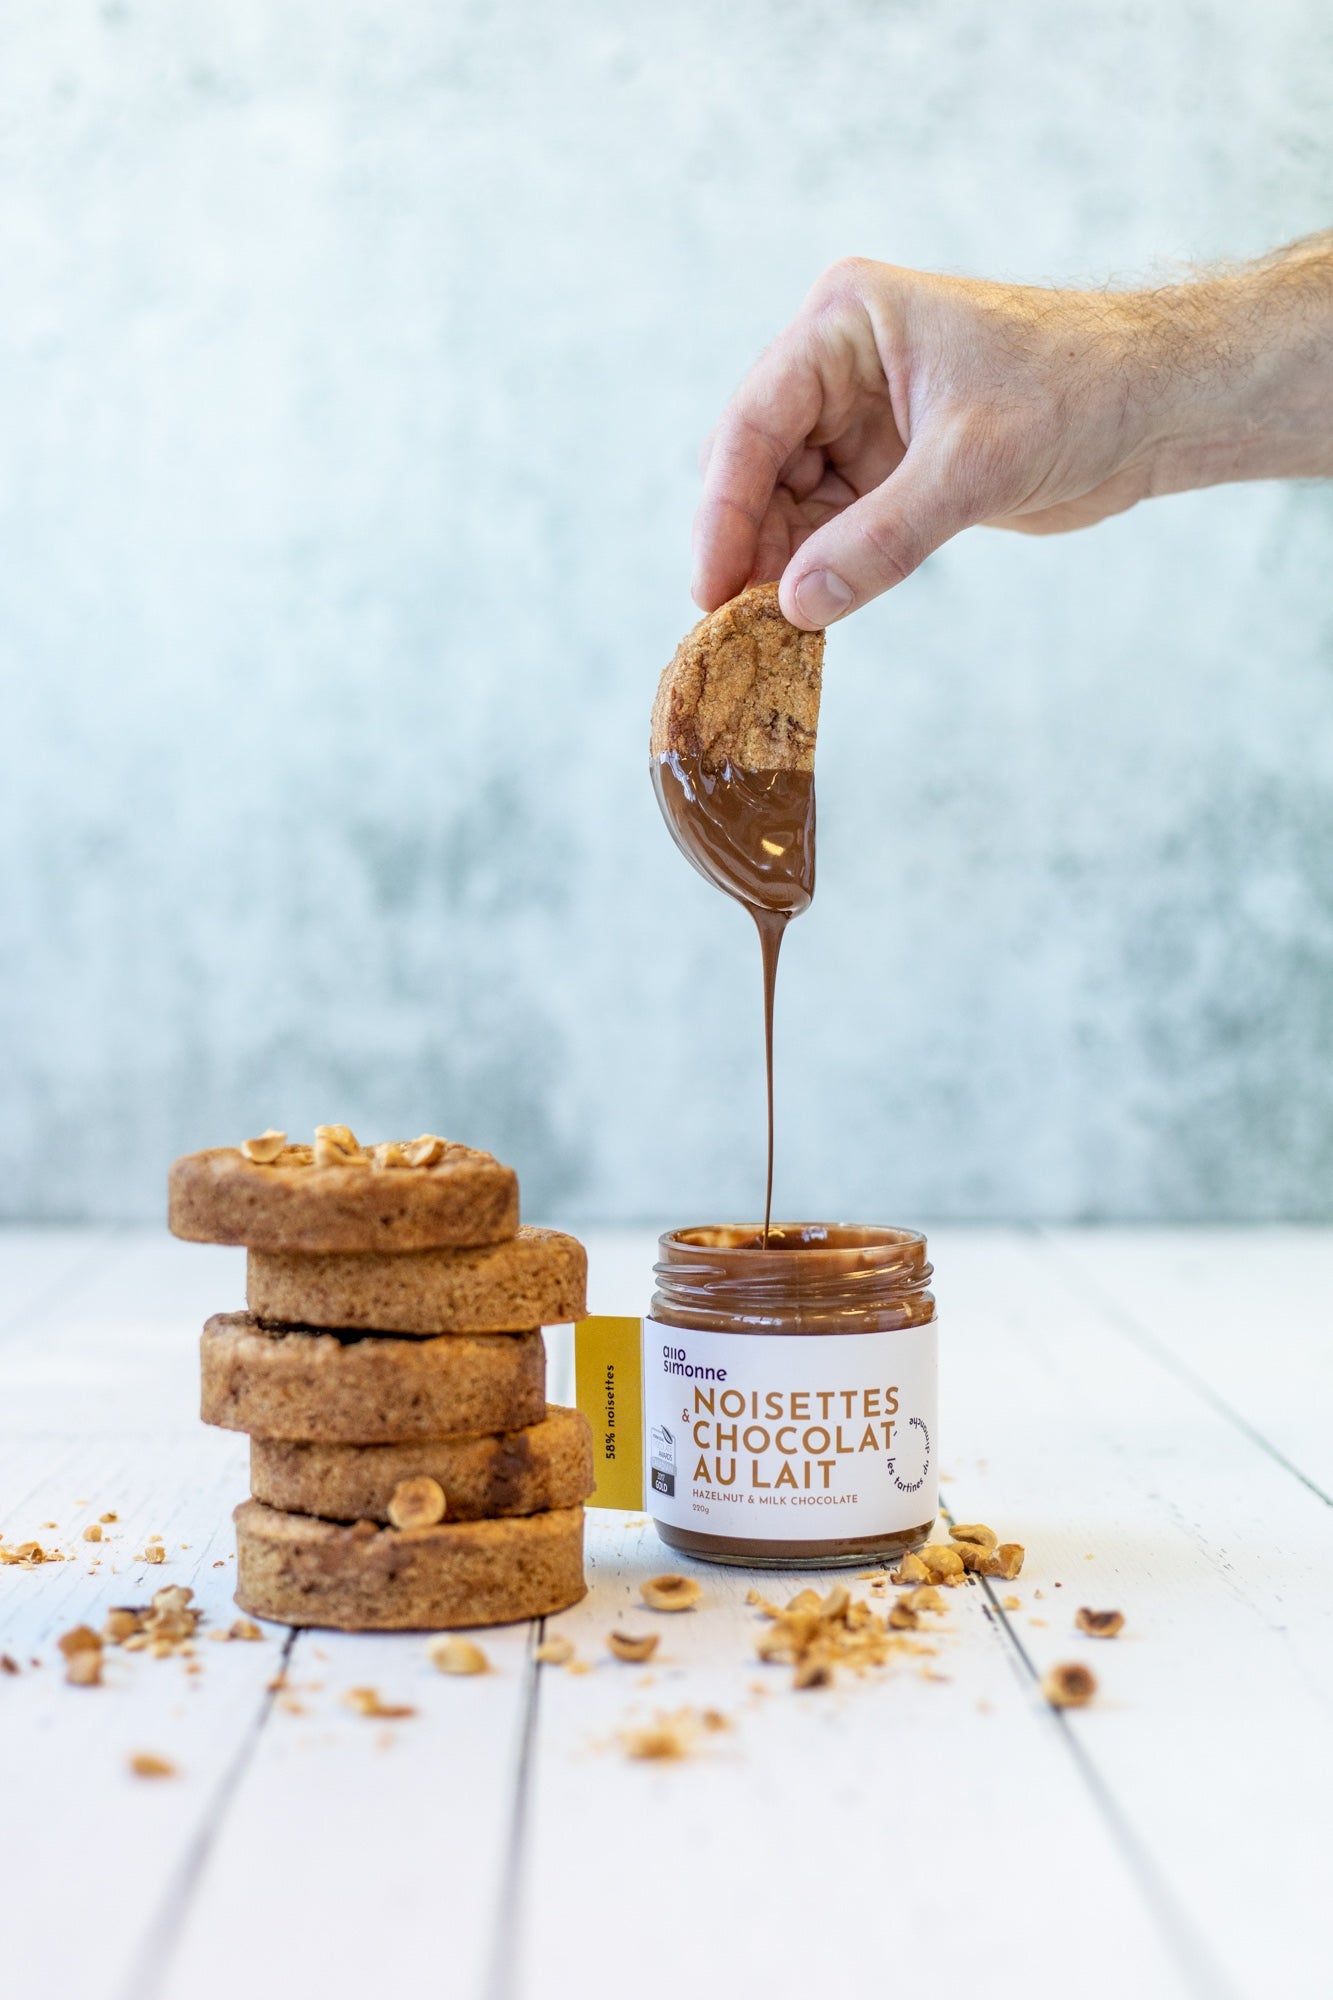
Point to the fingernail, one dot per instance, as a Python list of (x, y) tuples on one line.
[(821, 597)]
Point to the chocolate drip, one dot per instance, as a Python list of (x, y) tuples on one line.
[(752, 835)]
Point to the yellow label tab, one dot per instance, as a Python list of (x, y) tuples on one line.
[(608, 1379)]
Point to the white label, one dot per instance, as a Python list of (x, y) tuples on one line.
[(790, 1437)]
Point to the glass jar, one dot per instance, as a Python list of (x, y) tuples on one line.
[(789, 1394)]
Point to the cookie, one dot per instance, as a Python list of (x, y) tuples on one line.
[(367, 1389), (220, 1196), (536, 1278), (301, 1571), (743, 690), (519, 1472)]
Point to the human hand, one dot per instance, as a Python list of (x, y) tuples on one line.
[(899, 408)]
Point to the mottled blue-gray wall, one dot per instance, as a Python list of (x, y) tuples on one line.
[(353, 361)]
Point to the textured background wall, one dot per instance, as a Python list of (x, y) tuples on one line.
[(353, 361)]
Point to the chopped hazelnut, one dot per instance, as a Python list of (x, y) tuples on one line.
[(265, 1149), (942, 1564), (337, 1146), (1099, 1624), (425, 1151), (84, 1669), (1069, 1685), (924, 1598), (903, 1617), (910, 1569), (813, 1674), (92, 1533), (457, 1656), (670, 1593), (417, 1503), (79, 1639), (557, 1651), (974, 1532), (1006, 1561), (104, 1518), (629, 1646)]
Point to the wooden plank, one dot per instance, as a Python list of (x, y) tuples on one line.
[(1213, 1734), (403, 1828), (1246, 1314), (70, 1797), (98, 1413), (362, 1856), (928, 1832)]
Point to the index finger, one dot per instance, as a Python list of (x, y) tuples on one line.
[(762, 428)]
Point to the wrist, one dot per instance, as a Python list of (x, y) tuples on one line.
[(1234, 374)]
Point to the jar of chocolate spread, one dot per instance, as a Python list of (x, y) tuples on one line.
[(789, 1394)]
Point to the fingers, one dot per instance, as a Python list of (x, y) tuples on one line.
[(870, 546), (762, 434)]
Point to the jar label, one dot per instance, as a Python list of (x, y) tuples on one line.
[(798, 1437)]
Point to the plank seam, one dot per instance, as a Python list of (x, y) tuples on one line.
[(501, 1981), (152, 1965), (1202, 1976), (1156, 1350)]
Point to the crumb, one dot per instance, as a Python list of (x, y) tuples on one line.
[(366, 1701), (1099, 1624), (92, 1533), (557, 1651), (1069, 1685), (145, 1764), (1011, 1603), (457, 1656)]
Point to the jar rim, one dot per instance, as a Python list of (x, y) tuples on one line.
[(820, 1245)]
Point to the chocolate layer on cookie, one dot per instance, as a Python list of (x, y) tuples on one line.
[(219, 1196), (545, 1465), (301, 1571), (535, 1278), (327, 1388)]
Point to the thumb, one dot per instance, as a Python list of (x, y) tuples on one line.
[(875, 542)]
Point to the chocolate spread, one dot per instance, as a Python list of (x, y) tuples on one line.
[(752, 835)]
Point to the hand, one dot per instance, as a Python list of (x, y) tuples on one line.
[(900, 408)]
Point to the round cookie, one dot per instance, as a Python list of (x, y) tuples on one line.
[(301, 1571), (220, 1196), (742, 690), (530, 1471), (536, 1278), (323, 1389)]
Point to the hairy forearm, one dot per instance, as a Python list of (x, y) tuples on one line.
[(1236, 371)]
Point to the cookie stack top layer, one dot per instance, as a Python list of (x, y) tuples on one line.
[(332, 1197)]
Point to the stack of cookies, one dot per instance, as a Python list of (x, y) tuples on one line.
[(406, 1469)]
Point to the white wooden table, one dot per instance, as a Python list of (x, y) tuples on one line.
[(1148, 1412)]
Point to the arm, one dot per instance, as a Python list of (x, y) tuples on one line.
[(899, 408)]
